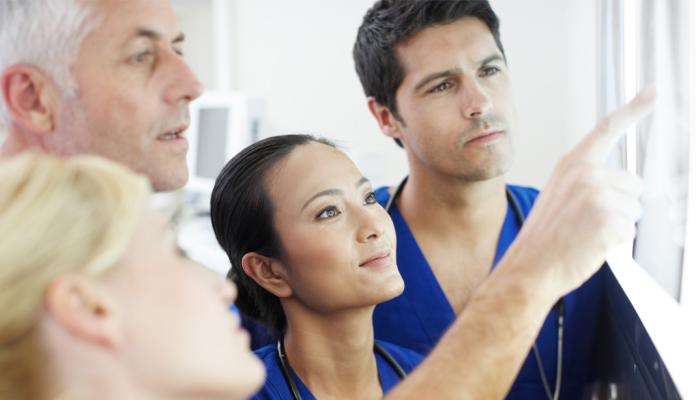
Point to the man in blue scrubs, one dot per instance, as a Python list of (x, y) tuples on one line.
[(437, 82)]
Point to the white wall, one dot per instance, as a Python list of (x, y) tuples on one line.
[(298, 56), (195, 17), (551, 48)]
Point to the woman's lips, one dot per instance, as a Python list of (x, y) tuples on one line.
[(380, 259)]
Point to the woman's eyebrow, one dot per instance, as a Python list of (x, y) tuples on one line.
[(327, 192), (333, 192)]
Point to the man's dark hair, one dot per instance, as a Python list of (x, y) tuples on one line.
[(242, 216), (391, 22)]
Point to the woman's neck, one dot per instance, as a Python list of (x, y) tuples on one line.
[(334, 355), (113, 381)]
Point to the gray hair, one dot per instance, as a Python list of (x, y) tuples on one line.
[(46, 34)]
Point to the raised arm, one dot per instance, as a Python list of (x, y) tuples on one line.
[(585, 210)]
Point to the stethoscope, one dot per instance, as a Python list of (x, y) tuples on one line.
[(288, 371), (519, 217)]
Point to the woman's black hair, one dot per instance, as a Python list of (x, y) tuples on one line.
[(242, 217)]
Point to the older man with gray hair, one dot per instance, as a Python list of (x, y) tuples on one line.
[(103, 77)]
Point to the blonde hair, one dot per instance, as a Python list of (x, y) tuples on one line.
[(57, 216)]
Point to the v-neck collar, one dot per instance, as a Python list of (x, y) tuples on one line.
[(410, 258)]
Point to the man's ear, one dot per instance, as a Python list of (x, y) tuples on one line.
[(388, 122), (31, 98), (83, 309), (268, 272)]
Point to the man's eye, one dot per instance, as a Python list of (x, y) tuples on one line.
[(488, 71), (144, 57), (328, 212), (371, 198), (179, 51), (441, 87)]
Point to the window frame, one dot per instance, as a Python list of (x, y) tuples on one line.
[(670, 324)]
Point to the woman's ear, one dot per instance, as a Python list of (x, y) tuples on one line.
[(83, 309), (268, 272)]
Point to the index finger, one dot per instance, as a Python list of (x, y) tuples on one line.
[(597, 145)]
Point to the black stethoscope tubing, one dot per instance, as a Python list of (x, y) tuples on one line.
[(519, 217), (288, 371)]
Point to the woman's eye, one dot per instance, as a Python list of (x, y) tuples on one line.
[(371, 198), (441, 87), (488, 71), (328, 212)]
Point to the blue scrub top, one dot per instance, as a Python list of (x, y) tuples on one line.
[(276, 388), (418, 318)]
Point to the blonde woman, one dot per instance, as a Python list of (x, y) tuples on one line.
[(98, 302)]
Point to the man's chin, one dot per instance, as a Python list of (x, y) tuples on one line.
[(168, 181)]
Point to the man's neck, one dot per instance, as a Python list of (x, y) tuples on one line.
[(16, 143), (440, 203), (457, 225), (333, 355)]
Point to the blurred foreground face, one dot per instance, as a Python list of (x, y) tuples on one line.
[(97, 299), (178, 335), (338, 243)]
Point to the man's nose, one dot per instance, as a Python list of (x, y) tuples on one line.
[(182, 83), (475, 101)]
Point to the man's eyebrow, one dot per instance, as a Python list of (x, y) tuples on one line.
[(148, 33), (156, 36), (437, 75), (334, 192), (455, 71), (492, 58)]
